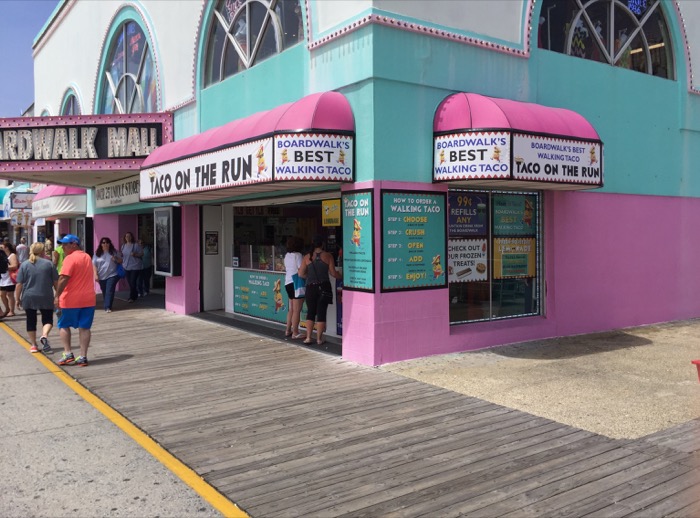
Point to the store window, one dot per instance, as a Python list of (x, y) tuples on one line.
[(129, 84), (70, 105), (243, 33), (494, 255), (632, 34)]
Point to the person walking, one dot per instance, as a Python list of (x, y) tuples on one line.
[(132, 254), (50, 253), (292, 262), (75, 298), (36, 281), (316, 268), (60, 254), (144, 284), (104, 263), (7, 280), (22, 250)]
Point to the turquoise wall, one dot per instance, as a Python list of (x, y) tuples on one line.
[(395, 80)]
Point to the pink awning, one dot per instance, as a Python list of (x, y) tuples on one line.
[(58, 190), (465, 111), (322, 112), (54, 201)]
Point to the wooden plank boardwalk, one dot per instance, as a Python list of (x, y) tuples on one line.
[(284, 432)]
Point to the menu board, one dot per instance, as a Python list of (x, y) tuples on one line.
[(514, 257), (413, 240), (468, 213), (467, 260), (514, 215), (260, 294), (358, 244)]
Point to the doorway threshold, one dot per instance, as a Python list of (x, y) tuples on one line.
[(332, 345)]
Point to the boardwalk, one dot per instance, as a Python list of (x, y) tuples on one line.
[(285, 431)]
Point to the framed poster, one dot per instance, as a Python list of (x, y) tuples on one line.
[(168, 241), (358, 245), (211, 242), (414, 240)]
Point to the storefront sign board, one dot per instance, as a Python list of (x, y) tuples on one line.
[(467, 260), (472, 155), (21, 200), (358, 240), (330, 216), (468, 213), (260, 294), (245, 164), (558, 160), (514, 257), (414, 238), (514, 215), (114, 194), (309, 156)]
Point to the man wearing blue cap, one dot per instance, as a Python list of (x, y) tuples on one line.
[(75, 296)]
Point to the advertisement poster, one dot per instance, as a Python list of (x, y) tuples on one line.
[(514, 257), (557, 160), (468, 214), (463, 156), (514, 215), (413, 240), (309, 156), (260, 294), (358, 243), (467, 260), (330, 213)]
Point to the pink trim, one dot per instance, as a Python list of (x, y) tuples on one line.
[(58, 190), (423, 29), (327, 111), (468, 110)]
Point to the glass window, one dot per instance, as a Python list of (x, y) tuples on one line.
[(631, 34), (494, 255), (129, 79), (245, 32), (70, 105)]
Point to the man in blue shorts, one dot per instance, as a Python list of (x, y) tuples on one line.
[(75, 296)]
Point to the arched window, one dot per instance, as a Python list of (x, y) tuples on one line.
[(70, 105), (129, 83), (245, 32), (631, 34)]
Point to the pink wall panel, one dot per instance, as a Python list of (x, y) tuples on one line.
[(182, 293), (611, 261)]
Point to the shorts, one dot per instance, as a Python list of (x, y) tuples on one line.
[(80, 318), (290, 291), (7, 288)]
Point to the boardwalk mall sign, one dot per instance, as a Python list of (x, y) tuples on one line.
[(81, 142)]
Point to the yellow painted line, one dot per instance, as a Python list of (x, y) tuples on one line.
[(186, 474)]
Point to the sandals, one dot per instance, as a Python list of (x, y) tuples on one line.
[(308, 342), (298, 336), (321, 342)]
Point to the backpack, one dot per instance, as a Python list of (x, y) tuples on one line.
[(4, 263)]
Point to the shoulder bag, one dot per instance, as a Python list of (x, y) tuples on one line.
[(326, 294)]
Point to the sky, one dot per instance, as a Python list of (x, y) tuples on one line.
[(20, 23)]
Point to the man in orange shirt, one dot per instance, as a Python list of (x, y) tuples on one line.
[(75, 298)]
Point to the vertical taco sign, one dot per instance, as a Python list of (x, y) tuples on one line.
[(414, 254)]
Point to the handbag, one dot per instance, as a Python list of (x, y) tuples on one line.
[(326, 293), (121, 272), (13, 276), (299, 286)]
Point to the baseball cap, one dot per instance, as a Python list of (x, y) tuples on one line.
[(70, 238)]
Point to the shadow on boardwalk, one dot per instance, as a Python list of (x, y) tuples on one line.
[(285, 431)]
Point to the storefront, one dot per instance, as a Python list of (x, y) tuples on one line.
[(294, 158), (62, 210)]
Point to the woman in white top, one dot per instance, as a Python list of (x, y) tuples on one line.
[(292, 262), (7, 285)]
